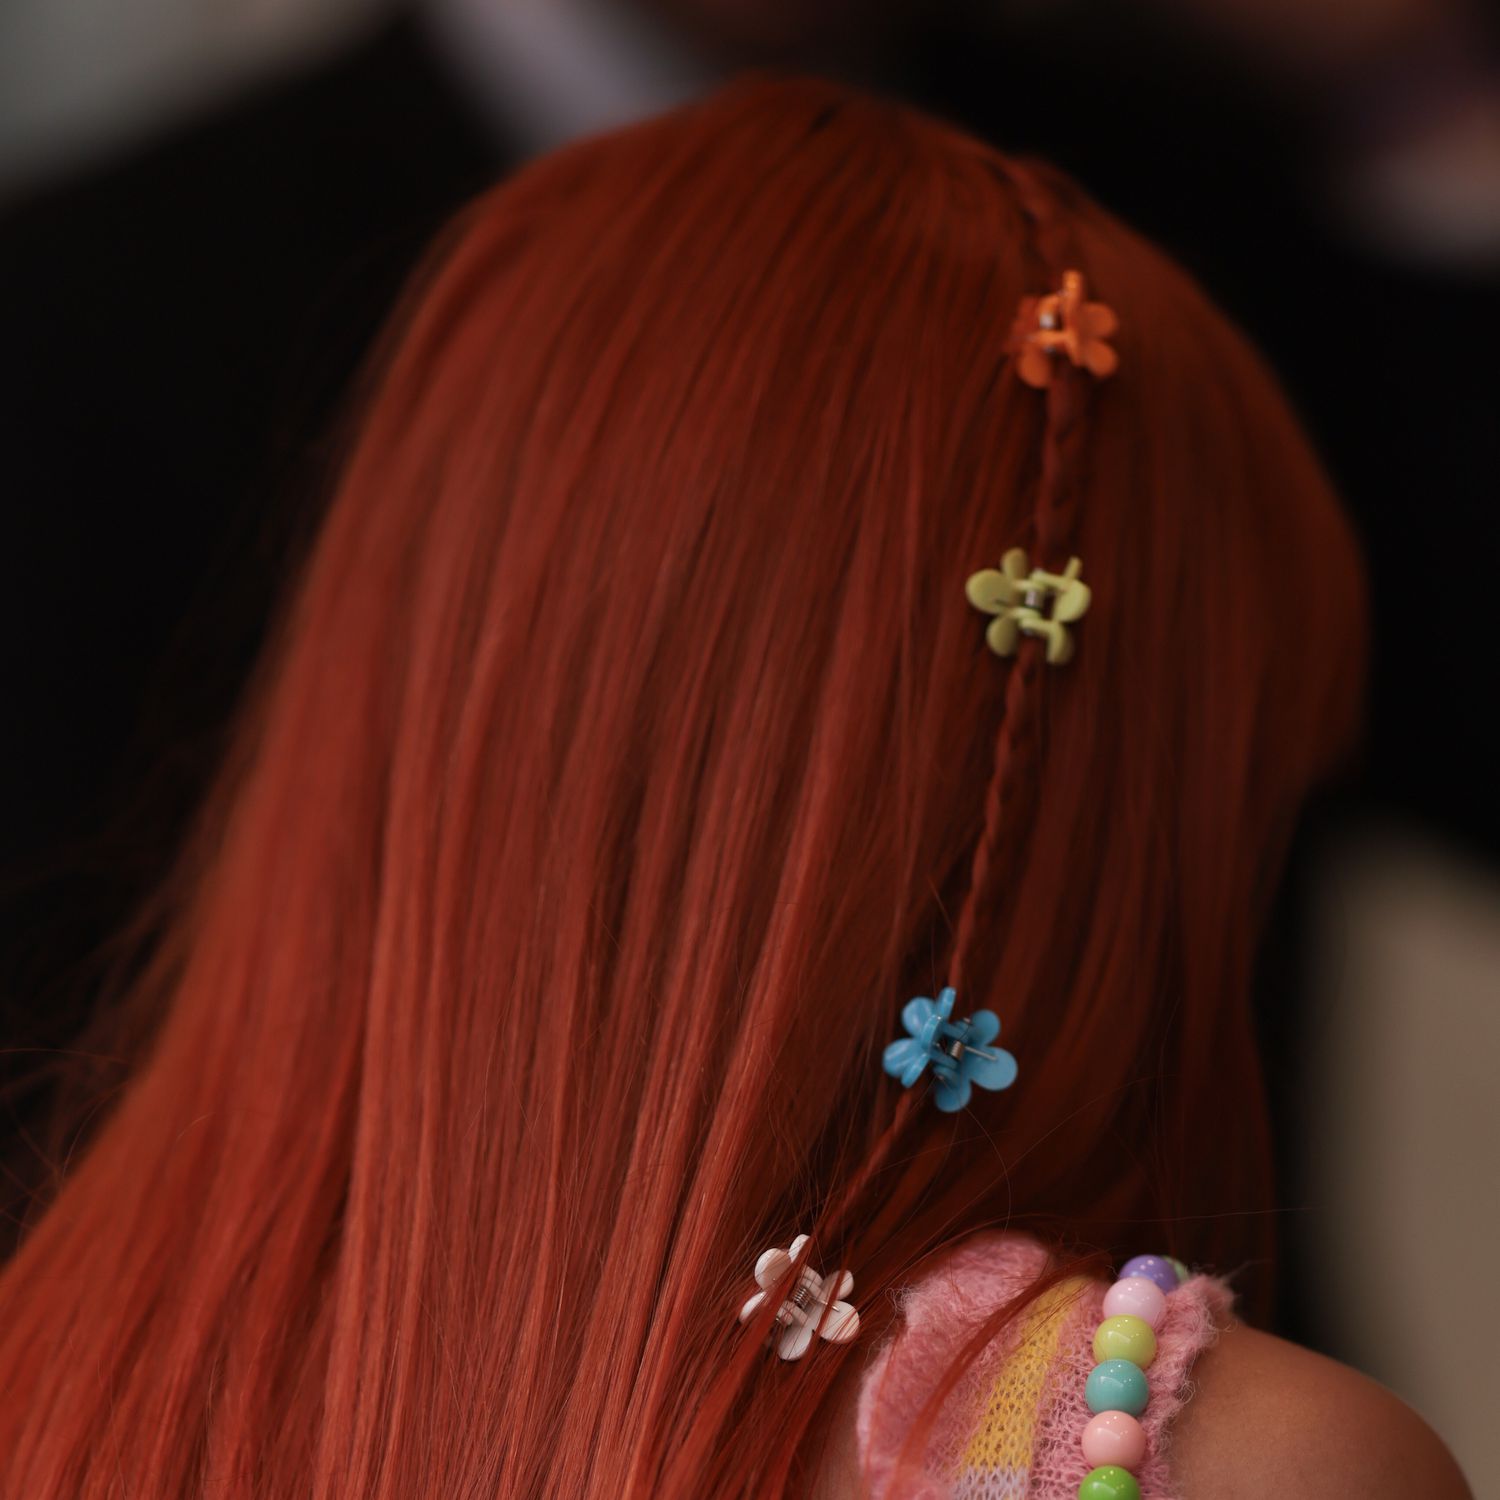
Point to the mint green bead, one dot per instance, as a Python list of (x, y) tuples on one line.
[(1117, 1385), (1109, 1482), (1125, 1336), (1182, 1271)]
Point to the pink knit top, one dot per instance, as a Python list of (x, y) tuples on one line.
[(1011, 1428)]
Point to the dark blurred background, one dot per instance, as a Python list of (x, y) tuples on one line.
[(207, 206)]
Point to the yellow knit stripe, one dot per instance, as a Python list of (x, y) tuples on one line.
[(1004, 1435)]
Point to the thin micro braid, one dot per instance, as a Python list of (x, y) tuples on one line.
[(1057, 499), (1056, 505)]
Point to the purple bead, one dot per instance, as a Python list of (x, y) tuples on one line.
[(1153, 1268)]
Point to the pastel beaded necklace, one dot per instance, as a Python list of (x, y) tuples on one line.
[(1117, 1391)]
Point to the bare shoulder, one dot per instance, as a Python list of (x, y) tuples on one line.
[(1270, 1418)]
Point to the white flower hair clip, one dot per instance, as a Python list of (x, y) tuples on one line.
[(812, 1305)]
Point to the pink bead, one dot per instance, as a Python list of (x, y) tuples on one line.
[(1135, 1295), (1114, 1437)]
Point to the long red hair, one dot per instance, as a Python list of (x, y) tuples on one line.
[(617, 775)]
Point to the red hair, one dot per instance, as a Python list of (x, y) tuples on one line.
[(620, 772)]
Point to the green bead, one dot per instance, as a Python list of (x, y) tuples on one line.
[(1182, 1271), (1125, 1336), (1109, 1482)]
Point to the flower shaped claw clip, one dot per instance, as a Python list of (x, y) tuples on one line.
[(1028, 601), (1064, 323), (801, 1315), (958, 1052)]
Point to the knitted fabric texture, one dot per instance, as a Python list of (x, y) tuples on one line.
[(1011, 1427)]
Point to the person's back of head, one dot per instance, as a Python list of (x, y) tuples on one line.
[(629, 756)]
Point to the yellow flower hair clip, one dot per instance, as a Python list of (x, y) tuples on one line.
[(1028, 601)]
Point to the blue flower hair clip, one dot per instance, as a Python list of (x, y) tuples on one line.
[(958, 1052)]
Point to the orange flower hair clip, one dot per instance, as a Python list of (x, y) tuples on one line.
[(1063, 322)]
